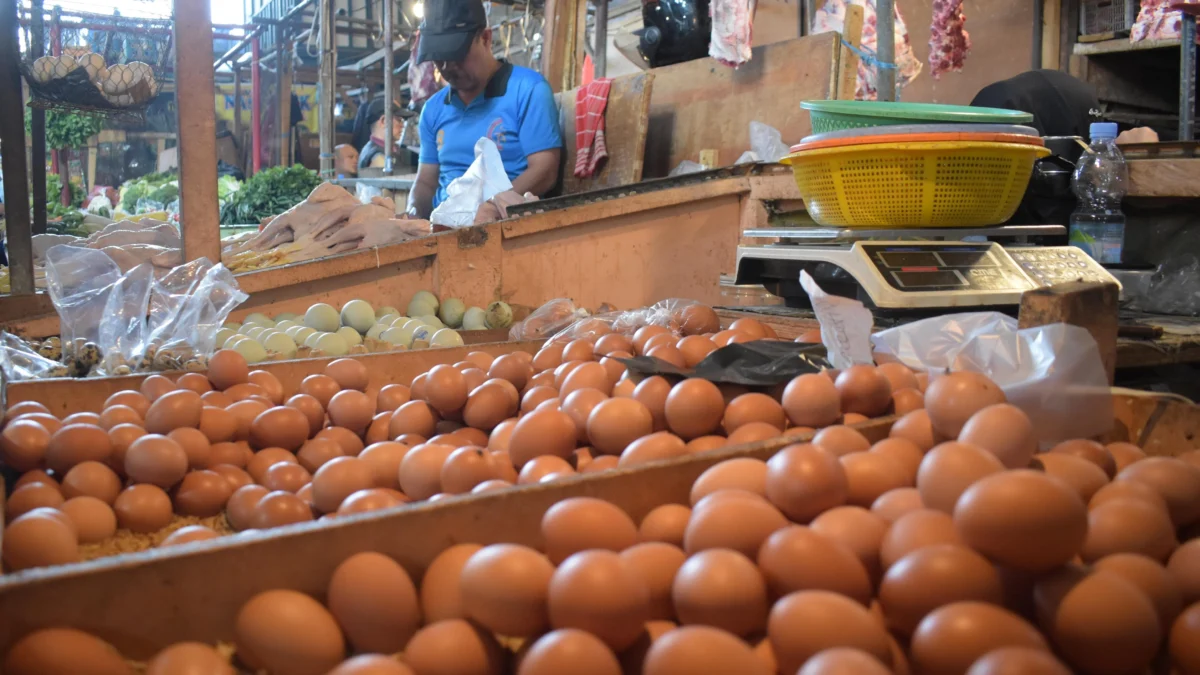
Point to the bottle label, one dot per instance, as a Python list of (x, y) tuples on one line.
[(1102, 241)]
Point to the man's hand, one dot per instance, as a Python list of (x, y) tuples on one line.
[(496, 208)]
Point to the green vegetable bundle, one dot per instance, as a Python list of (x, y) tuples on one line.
[(145, 187), (269, 193), (66, 130)]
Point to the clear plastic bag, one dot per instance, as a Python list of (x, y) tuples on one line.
[(1174, 288), (666, 313), (18, 361), (547, 320), (1053, 373), (138, 322)]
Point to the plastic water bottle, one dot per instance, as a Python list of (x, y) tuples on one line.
[(1101, 177)]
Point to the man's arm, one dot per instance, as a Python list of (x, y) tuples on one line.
[(541, 175), (420, 198)]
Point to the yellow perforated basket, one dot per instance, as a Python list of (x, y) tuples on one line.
[(917, 184)]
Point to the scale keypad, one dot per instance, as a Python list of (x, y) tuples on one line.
[(1049, 265)]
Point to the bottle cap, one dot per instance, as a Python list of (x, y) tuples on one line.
[(1103, 131)]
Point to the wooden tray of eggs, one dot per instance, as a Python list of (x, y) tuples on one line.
[(855, 479)]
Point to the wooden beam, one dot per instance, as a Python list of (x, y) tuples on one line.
[(1051, 37), (847, 84), (12, 147), (1092, 306), (199, 211), (563, 33)]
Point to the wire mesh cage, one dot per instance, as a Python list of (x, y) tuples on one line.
[(103, 64)]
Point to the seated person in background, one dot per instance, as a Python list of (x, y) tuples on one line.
[(345, 160), (1061, 105), (372, 153), (486, 97)]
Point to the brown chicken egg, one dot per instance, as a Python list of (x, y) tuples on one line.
[(320, 387), (186, 657), (798, 558), (374, 602), (841, 440), (753, 407), (916, 427), (24, 408), (952, 637), (455, 646), (1003, 430), (276, 509), (695, 348), (1178, 482), (338, 479), (1098, 621), (51, 651), (74, 444), (39, 538), (655, 447), (385, 459), (582, 523), (655, 564), (1151, 578), (23, 445), (91, 479), (598, 592), (280, 427), (189, 534), (1023, 519), (352, 410), (535, 396), (543, 432), (174, 410), (742, 473), (421, 470), (286, 476), (202, 494), (953, 398), (863, 389), (701, 650), (1125, 454), (666, 523), (505, 589), (118, 414), (234, 454), (721, 588), (155, 387), (286, 631), (467, 467), (806, 623), (804, 480), (348, 373), (130, 398), (858, 530), (931, 577), (156, 460), (1018, 661), (143, 508), (245, 412), (414, 417), (239, 509), (29, 497), (1128, 526), (732, 519), (93, 519), (441, 596), (949, 469), (1091, 451)]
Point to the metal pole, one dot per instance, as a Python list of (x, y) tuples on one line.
[(255, 108), (1187, 78), (600, 51), (885, 50), (37, 125), (284, 101), (1038, 13), (237, 107), (328, 68), (389, 18), (238, 47), (12, 150)]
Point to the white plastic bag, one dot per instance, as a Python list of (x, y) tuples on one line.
[(766, 145), (845, 325), (1053, 373), (483, 180)]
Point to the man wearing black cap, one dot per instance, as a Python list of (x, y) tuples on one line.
[(486, 97)]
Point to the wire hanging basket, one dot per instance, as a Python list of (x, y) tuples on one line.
[(105, 65)]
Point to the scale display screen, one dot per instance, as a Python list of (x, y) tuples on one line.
[(945, 267), (930, 279)]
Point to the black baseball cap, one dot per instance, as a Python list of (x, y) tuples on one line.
[(449, 28)]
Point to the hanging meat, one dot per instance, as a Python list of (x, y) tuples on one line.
[(949, 41), (832, 16)]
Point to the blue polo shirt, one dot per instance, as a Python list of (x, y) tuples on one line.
[(516, 111)]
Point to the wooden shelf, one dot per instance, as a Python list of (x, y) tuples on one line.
[(1179, 177), (1121, 46)]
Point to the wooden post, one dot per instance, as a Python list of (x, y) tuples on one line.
[(562, 39), (283, 69), (1090, 305), (12, 149), (200, 220), (37, 123), (847, 82)]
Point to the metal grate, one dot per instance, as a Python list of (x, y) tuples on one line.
[(1102, 17)]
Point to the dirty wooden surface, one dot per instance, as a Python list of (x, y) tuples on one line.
[(626, 119)]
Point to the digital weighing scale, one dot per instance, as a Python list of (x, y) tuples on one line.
[(887, 272)]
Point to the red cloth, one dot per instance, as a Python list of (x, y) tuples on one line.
[(590, 102)]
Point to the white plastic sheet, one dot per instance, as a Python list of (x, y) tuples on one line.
[(483, 180), (766, 145), (1053, 373)]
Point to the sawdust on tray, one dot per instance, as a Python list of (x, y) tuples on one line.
[(125, 541)]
